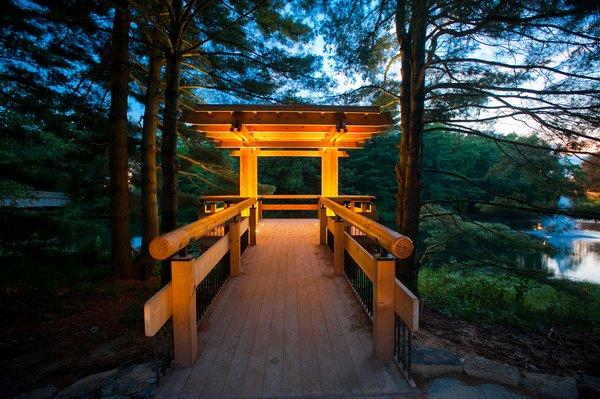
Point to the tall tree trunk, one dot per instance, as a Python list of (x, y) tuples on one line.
[(122, 263), (149, 182), (168, 151), (412, 102)]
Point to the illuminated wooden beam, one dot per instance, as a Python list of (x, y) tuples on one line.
[(290, 128), (290, 153), (286, 118), (286, 108), (291, 144), (272, 136)]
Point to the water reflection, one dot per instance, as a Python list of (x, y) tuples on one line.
[(578, 255)]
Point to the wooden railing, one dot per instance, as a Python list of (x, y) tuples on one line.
[(363, 250), (370, 270), (177, 300), (290, 206)]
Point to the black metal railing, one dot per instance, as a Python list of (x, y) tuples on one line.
[(218, 231), (330, 239), (360, 283), (290, 213), (244, 240), (163, 349), (354, 231), (210, 287), (403, 347)]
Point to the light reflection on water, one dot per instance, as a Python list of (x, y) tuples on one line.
[(579, 251)]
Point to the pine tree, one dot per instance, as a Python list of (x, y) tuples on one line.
[(460, 66), (122, 262)]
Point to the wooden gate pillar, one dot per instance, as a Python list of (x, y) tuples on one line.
[(329, 172), (248, 174)]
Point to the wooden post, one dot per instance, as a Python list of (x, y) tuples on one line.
[(364, 207), (252, 226), (322, 225), (235, 248), (339, 246), (213, 207), (260, 209), (329, 174), (373, 212), (248, 174), (383, 309), (185, 330)]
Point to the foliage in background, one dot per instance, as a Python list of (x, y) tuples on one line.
[(490, 297)]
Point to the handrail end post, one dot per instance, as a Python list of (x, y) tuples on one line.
[(185, 332), (383, 309)]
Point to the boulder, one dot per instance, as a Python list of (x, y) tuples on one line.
[(86, 387), (41, 393), (590, 386), (490, 370), (434, 362), (550, 386), (454, 388), (136, 381)]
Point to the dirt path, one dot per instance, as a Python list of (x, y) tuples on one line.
[(552, 352), (74, 336)]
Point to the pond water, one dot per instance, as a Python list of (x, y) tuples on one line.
[(578, 245)]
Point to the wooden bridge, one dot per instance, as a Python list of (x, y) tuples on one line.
[(261, 307)]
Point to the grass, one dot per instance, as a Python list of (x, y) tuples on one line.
[(489, 297)]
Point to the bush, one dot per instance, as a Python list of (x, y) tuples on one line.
[(490, 297)]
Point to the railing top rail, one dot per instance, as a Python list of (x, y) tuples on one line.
[(357, 198), (397, 244), (170, 243), (290, 196), (237, 198), (219, 198)]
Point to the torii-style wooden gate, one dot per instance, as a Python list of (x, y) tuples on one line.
[(288, 131), (294, 281)]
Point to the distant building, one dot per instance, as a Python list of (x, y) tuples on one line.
[(38, 199)]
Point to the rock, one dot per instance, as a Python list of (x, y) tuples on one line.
[(434, 362), (486, 369), (550, 386), (137, 381), (86, 387), (42, 393), (453, 388), (590, 386)]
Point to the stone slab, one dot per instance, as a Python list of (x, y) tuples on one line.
[(550, 386), (490, 370), (434, 362)]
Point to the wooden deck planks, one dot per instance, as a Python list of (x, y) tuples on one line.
[(286, 327), (291, 355)]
